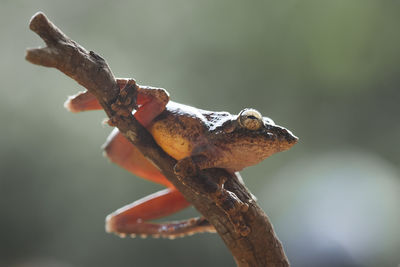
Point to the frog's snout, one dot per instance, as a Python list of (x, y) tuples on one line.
[(290, 137), (286, 138)]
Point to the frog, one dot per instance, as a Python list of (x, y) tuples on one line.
[(197, 139)]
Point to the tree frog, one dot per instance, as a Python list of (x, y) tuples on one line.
[(198, 139)]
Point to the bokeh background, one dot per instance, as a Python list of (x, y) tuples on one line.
[(328, 70)]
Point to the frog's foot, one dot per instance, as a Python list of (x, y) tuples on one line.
[(186, 168), (148, 101), (126, 100), (133, 219), (233, 206), (170, 230), (85, 101)]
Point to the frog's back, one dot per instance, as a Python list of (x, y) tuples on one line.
[(179, 129)]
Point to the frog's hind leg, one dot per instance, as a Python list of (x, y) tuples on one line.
[(133, 218), (82, 101), (85, 100), (123, 153), (151, 101)]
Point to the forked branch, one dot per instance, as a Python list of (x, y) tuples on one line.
[(259, 247)]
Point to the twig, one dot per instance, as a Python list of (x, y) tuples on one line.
[(260, 247)]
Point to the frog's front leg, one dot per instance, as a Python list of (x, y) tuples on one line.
[(189, 167), (133, 218)]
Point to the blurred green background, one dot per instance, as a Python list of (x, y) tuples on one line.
[(328, 70)]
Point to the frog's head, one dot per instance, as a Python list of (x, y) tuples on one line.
[(265, 131), (250, 138)]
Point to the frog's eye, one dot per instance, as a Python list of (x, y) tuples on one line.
[(250, 119)]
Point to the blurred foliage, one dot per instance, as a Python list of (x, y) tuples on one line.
[(328, 70)]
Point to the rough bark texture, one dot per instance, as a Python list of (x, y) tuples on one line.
[(260, 247)]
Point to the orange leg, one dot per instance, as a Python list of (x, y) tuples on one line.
[(152, 101), (132, 219), (119, 150), (83, 101), (122, 152)]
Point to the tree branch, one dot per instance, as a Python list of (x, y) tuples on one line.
[(259, 247)]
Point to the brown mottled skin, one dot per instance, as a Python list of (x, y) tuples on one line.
[(216, 139), (197, 139)]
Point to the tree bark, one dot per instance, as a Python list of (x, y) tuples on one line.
[(260, 247)]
